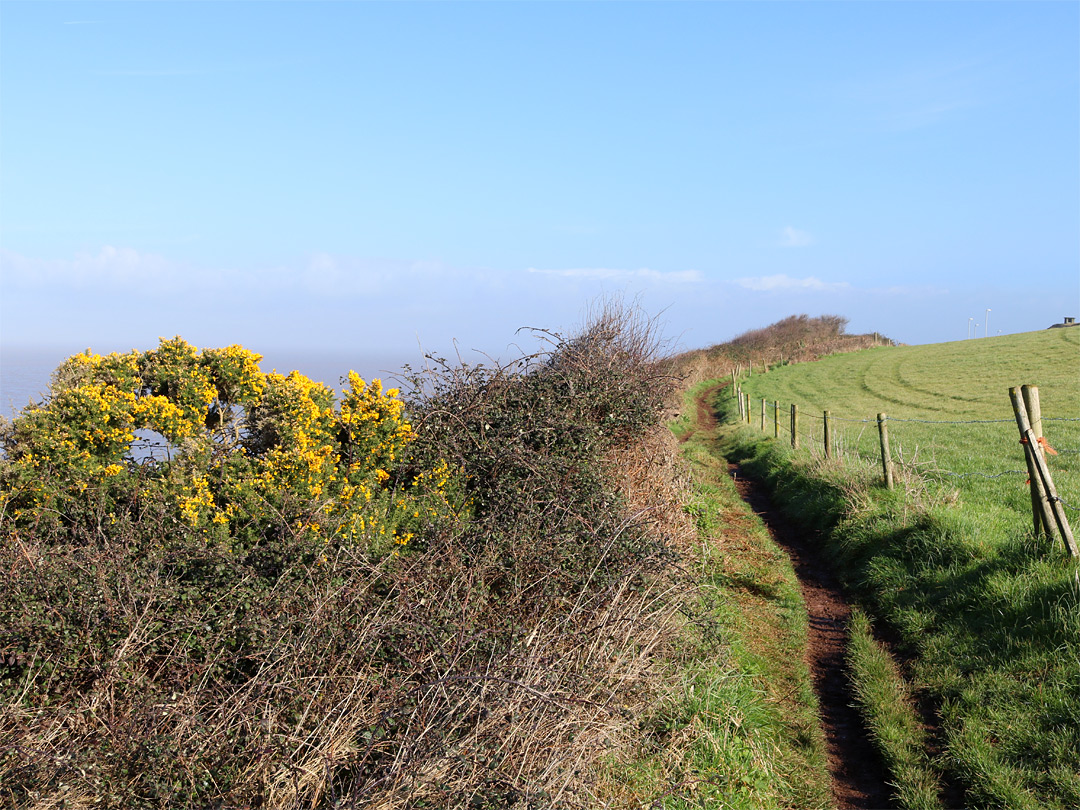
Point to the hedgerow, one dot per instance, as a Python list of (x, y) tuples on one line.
[(441, 599)]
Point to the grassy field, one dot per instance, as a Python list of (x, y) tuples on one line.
[(984, 617), (950, 418)]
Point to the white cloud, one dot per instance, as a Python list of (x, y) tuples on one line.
[(609, 274), (793, 237), (124, 269), (784, 283), (109, 267), (119, 295)]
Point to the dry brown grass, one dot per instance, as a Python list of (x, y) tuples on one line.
[(501, 665), (443, 694)]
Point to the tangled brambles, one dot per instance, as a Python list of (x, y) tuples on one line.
[(438, 601)]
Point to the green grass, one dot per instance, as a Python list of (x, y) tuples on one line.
[(950, 418), (989, 615), (746, 702), (886, 703)]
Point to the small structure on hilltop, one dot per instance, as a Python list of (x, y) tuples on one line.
[(1067, 322)]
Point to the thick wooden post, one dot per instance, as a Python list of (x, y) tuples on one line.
[(763, 416), (747, 408), (1042, 516), (734, 384), (886, 459), (1034, 415), (794, 426), (1031, 443), (776, 418), (828, 436)]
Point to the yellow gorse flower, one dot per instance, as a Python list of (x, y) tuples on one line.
[(331, 469)]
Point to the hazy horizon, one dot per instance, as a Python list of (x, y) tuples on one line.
[(384, 176)]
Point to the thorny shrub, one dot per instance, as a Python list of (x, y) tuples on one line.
[(532, 437), (795, 339), (231, 626)]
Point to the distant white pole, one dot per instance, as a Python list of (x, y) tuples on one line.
[(976, 330), (986, 326), (969, 326)]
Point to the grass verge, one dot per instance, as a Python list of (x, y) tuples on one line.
[(744, 719), (885, 702)]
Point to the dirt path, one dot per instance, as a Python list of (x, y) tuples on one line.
[(858, 778)]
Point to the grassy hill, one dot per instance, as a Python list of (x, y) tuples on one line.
[(983, 616), (950, 417), (960, 380)]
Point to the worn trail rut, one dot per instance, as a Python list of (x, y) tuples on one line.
[(858, 778), (857, 775)]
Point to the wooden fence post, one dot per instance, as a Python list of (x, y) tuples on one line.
[(1042, 517), (794, 426), (886, 459), (747, 408), (1034, 415), (734, 384), (1031, 444), (762, 415), (776, 418), (828, 436)]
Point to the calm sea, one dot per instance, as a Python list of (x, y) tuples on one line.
[(25, 372)]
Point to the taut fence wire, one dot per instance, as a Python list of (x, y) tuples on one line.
[(968, 445)]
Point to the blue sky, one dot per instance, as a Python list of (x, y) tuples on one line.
[(374, 177)]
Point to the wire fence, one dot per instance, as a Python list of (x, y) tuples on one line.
[(962, 451)]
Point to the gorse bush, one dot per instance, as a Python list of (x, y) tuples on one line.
[(251, 456), (435, 600), (135, 581)]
